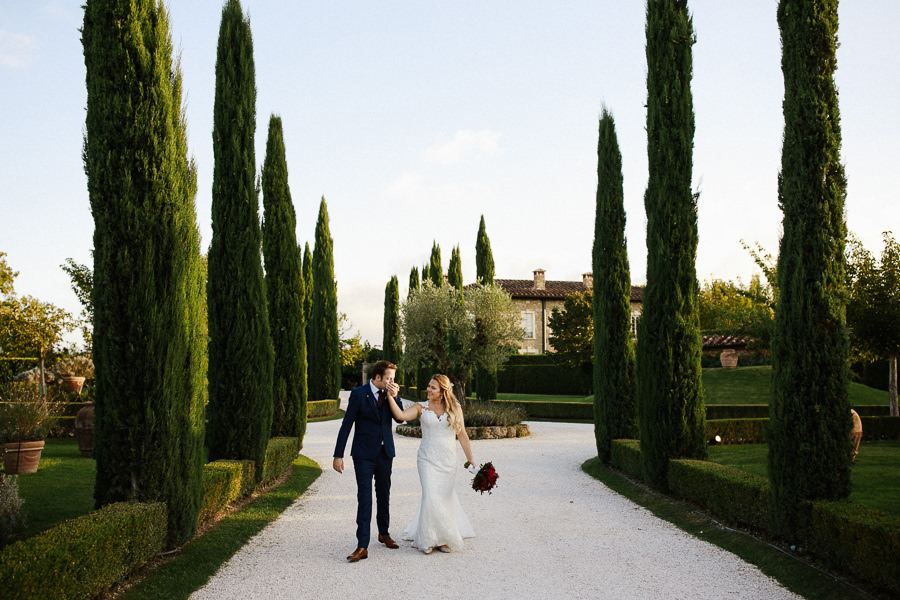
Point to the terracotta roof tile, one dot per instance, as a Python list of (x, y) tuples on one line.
[(524, 288)]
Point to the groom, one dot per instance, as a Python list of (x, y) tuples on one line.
[(372, 452)]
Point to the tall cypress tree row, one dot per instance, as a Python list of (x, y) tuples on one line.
[(392, 341), (485, 381), (324, 355), (285, 293), (241, 356), (454, 270), (149, 347), (614, 394), (307, 301), (671, 413), (435, 270), (809, 424)]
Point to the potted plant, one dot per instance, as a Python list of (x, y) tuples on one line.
[(26, 418), (74, 371)]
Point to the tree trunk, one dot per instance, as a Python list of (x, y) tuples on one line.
[(892, 384), (459, 390)]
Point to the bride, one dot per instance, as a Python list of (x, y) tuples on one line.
[(439, 522)]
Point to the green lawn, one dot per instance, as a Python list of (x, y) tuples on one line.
[(744, 385), (751, 385), (62, 488), (875, 475)]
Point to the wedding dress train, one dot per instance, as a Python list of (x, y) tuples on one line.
[(440, 519)]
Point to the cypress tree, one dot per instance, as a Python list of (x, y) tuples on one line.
[(324, 356), (614, 395), (485, 381), (484, 258), (285, 293), (671, 414), (148, 346), (435, 270), (809, 424), (413, 281), (307, 301), (392, 338), (241, 356), (454, 270)]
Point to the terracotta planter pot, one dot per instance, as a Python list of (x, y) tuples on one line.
[(20, 458), (84, 430), (729, 359), (73, 384)]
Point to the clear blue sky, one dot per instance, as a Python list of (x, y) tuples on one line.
[(415, 118)]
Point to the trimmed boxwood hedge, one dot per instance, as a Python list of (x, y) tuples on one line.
[(542, 379), (322, 408), (848, 536), (567, 411), (82, 557)]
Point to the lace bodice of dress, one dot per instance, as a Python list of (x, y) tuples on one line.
[(438, 438)]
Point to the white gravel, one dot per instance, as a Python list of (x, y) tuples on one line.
[(547, 531)]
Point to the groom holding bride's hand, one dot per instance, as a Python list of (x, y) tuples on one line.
[(372, 452)]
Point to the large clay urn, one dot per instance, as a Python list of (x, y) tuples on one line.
[(84, 430)]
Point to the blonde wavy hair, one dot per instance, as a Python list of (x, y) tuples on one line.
[(449, 402)]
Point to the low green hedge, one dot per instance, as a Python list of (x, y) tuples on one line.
[(848, 536), (280, 454), (856, 538), (736, 411), (542, 379), (85, 556), (322, 408), (737, 431), (625, 455), (82, 557), (737, 496), (224, 481), (569, 411)]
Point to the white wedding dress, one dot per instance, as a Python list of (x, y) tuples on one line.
[(440, 519)]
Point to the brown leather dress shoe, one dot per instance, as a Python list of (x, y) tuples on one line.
[(385, 539), (359, 554)]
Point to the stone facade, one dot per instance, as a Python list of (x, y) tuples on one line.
[(536, 298)]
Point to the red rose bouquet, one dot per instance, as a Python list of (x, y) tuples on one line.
[(485, 479)]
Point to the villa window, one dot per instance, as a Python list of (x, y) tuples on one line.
[(528, 325)]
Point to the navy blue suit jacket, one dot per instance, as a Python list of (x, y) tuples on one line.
[(373, 425)]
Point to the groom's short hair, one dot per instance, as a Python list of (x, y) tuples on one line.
[(381, 366)]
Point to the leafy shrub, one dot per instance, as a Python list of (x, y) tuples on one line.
[(542, 379), (737, 431), (12, 518), (82, 557), (26, 415)]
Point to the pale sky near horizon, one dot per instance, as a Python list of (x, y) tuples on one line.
[(415, 118)]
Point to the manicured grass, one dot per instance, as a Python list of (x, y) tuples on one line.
[(199, 561), (543, 398), (62, 488), (752, 385), (875, 474), (800, 578)]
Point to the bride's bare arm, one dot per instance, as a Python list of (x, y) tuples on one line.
[(463, 438), (408, 414)]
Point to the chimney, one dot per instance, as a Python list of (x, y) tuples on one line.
[(588, 280), (538, 279)]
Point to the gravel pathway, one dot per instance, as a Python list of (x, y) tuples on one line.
[(547, 531)]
